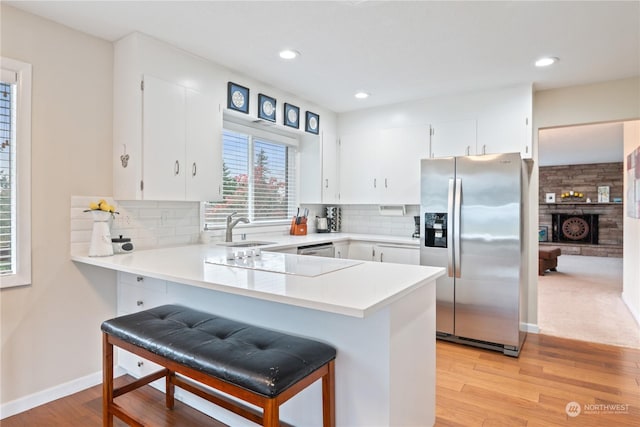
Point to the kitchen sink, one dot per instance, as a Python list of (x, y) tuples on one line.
[(245, 244)]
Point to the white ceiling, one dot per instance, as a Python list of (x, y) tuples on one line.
[(396, 50)]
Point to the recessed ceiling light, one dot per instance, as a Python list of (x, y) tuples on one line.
[(289, 54), (545, 62), (361, 95)]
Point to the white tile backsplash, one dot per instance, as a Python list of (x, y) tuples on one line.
[(152, 224), (149, 224), (367, 219)]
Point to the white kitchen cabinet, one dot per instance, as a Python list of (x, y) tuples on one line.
[(399, 254), (506, 126), (341, 250), (455, 138), (330, 161), (400, 151), (137, 293), (182, 132), (167, 124), (382, 166), (359, 168), (362, 251), (500, 123), (319, 169)]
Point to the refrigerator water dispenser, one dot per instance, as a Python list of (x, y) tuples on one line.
[(435, 230)]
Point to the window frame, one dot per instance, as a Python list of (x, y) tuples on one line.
[(268, 135), (22, 274)]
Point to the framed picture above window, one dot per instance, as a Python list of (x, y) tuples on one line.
[(237, 97), (312, 124), (291, 116), (266, 107)]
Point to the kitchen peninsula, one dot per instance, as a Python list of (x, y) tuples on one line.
[(379, 316)]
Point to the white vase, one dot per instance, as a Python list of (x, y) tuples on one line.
[(100, 236)]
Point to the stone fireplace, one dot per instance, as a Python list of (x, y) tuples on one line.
[(574, 228)]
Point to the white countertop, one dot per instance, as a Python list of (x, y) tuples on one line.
[(357, 291)]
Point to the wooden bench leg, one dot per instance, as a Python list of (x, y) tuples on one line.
[(329, 397), (107, 381), (271, 415), (170, 390)]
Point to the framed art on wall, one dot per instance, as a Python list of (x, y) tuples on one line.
[(237, 97), (266, 107), (312, 123), (291, 116)]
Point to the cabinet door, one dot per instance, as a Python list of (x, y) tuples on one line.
[(330, 161), (505, 127), (359, 168), (341, 250), (453, 139), (362, 251), (397, 254), (400, 152), (163, 135), (203, 164)]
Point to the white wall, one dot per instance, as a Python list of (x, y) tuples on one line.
[(601, 102), (631, 254), (50, 330)]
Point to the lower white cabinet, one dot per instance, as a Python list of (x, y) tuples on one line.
[(341, 249), (362, 251), (137, 293), (399, 254)]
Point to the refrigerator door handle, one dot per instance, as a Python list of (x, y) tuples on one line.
[(457, 200), (450, 202)]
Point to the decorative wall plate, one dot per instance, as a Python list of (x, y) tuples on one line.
[(312, 124), (237, 97), (266, 107), (291, 116)]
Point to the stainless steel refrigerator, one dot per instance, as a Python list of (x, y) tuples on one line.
[(471, 211)]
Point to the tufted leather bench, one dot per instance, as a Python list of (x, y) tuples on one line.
[(259, 366), (548, 259)]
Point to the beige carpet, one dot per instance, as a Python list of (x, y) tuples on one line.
[(582, 301)]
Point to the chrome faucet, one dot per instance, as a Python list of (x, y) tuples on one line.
[(232, 223)]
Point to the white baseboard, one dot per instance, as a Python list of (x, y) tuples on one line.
[(45, 396), (530, 327), (633, 312)]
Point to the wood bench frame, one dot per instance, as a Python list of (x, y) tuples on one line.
[(269, 417)]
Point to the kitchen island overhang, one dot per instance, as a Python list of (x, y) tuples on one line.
[(380, 317)]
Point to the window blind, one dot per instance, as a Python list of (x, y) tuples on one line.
[(258, 180), (7, 174)]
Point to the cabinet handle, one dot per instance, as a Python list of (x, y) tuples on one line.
[(139, 303), (381, 256), (375, 183), (484, 149), (326, 183), (176, 168), (194, 169), (339, 254), (139, 279), (468, 149), (140, 363), (385, 183)]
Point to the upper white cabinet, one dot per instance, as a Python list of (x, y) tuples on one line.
[(382, 166), (501, 124), (456, 138), (167, 124), (319, 168)]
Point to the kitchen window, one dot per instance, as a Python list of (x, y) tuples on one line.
[(15, 173), (259, 177)]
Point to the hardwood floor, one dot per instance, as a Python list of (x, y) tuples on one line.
[(474, 387)]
